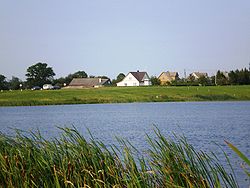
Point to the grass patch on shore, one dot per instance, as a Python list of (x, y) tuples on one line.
[(29, 160), (124, 95)]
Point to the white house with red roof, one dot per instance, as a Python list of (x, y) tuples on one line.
[(135, 79)]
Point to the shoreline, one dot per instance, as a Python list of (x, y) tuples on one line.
[(116, 95)]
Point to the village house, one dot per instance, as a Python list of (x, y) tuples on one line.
[(135, 79), (226, 74), (197, 75), (168, 77), (88, 82)]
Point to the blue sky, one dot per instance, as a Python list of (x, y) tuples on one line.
[(113, 36)]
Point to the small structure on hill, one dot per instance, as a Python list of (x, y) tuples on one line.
[(168, 77), (88, 82), (135, 79)]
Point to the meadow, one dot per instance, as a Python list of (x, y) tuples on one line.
[(124, 95)]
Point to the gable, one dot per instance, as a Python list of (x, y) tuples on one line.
[(130, 77), (168, 74), (145, 77), (140, 76), (199, 74)]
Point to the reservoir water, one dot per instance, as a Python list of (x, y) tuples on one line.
[(202, 123)]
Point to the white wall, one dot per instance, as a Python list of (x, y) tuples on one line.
[(129, 80), (147, 83)]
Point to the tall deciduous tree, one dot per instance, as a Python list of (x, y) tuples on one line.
[(204, 81), (3, 83), (14, 83), (80, 74), (66, 80), (155, 81), (39, 74), (119, 78), (221, 78)]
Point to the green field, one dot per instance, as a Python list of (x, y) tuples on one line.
[(124, 95)]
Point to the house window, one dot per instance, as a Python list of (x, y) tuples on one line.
[(134, 84), (130, 78), (125, 84)]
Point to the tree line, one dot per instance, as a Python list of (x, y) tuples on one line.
[(237, 77), (40, 74)]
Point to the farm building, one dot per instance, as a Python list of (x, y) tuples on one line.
[(88, 82)]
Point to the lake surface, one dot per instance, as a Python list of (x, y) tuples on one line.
[(203, 123)]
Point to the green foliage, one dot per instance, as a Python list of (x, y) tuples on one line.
[(241, 155), (102, 77), (204, 81), (155, 81), (119, 78), (39, 74), (14, 83), (3, 83), (80, 74), (238, 77), (72, 161), (66, 80), (221, 78)]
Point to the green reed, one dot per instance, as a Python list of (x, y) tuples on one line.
[(72, 161)]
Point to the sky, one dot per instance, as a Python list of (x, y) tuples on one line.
[(112, 36)]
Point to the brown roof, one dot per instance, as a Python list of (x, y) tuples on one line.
[(139, 75), (170, 74), (88, 82), (200, 74)]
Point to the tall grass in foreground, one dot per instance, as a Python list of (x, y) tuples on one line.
[(72, 161)]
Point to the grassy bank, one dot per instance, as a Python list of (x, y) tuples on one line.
[(124, 95), (71, 161)]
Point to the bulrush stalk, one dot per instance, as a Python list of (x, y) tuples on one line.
[(72, 161)]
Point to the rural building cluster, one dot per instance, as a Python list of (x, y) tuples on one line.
[(41, 76), (132, 79)]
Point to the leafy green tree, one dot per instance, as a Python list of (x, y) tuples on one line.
[(233, 77), (59, 81), (66, 80), (39, 74), (221, 79), (14, 83), (244, 77), (80, 74), (212, 80), (103, 77), (119, 78), (155, 81), (203, 80), (3, 83)]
